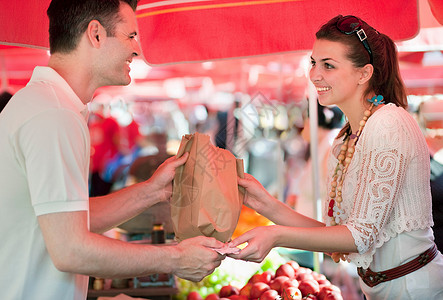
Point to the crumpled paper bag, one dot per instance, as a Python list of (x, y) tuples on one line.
[(206, 199)]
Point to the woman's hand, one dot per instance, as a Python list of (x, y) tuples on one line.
[(256, 196), (260, 241), (337, 256)]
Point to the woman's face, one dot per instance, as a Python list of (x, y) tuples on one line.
[(333, 74)]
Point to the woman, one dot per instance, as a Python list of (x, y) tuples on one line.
[(378, 211)]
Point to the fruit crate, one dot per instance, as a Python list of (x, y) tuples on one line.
[(154, 280)]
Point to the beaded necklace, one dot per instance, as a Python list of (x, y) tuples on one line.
[(335, 211)]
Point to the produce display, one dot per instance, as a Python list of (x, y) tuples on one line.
[(289, 282), (248, 220)]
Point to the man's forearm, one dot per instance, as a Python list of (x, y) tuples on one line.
[(113, 209)]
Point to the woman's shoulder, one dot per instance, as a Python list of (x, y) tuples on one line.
[(394, 126), (391, 116)]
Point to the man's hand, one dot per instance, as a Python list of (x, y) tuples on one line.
[(161, 180), (197, 258)]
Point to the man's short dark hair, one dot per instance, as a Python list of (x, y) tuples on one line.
[(4, 99), (69, 19)]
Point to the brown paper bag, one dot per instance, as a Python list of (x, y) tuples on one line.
[(206, 199)]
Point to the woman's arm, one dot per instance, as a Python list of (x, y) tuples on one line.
[(258, 198), (319, 239)]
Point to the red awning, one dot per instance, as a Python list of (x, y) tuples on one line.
[(199, 30), (183, 31)]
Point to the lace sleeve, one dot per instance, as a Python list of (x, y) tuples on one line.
[(377, 174)]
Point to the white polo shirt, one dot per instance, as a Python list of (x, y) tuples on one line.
[(44, 162)]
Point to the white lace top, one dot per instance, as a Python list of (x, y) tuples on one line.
[(386, 189)]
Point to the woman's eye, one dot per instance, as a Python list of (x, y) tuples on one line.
[(312, 62), (328, 66)]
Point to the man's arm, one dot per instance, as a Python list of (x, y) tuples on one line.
[(73, 248), (111, 210)]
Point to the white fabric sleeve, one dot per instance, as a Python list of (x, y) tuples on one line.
[(384, 153), (54, 145)]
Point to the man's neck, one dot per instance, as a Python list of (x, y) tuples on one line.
[(76, 75)]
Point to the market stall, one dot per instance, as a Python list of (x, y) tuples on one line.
[(211, 76)]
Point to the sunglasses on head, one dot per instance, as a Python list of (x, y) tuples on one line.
[(349, 25)]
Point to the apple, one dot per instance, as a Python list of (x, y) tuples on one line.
[(289, 283), (323, 282), (318, 276), (194, 295), (237, 297), (304, 276), (213, 296), (257, 289), (246, 290), (303, 270), (293, 264), (285, 270), (333, 296), (228, 290), (269, 295), (324, 290), (291, 293), (255, 278), (276, 283), (266, 277), (309, 286)]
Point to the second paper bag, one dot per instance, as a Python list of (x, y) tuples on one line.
[(206, 199)]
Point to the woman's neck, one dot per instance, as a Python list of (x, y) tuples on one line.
[(355, 113)]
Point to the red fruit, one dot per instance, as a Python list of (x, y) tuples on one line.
[(304, 276), (194, 295), (246, 290), (291, 293), (309, 287), (285, 270), (304, 270), (228, 290), (257, 289), (324, 290), (318, 276), (323, 282), (269, 295), (293, 264), (212, 296), (289, 283), (277, 282), (310, 297), (237, 297), (266, 277), (255, 278), (333, 296)]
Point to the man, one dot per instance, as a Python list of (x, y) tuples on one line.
[(50, 230)]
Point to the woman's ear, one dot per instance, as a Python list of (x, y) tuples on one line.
[(366, 73)]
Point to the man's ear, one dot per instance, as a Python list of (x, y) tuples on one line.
[(366, 73), (95, 33)]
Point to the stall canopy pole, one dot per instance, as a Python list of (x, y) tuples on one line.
[(313, 133)]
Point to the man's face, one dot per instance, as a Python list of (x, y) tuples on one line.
[(120, 49)]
